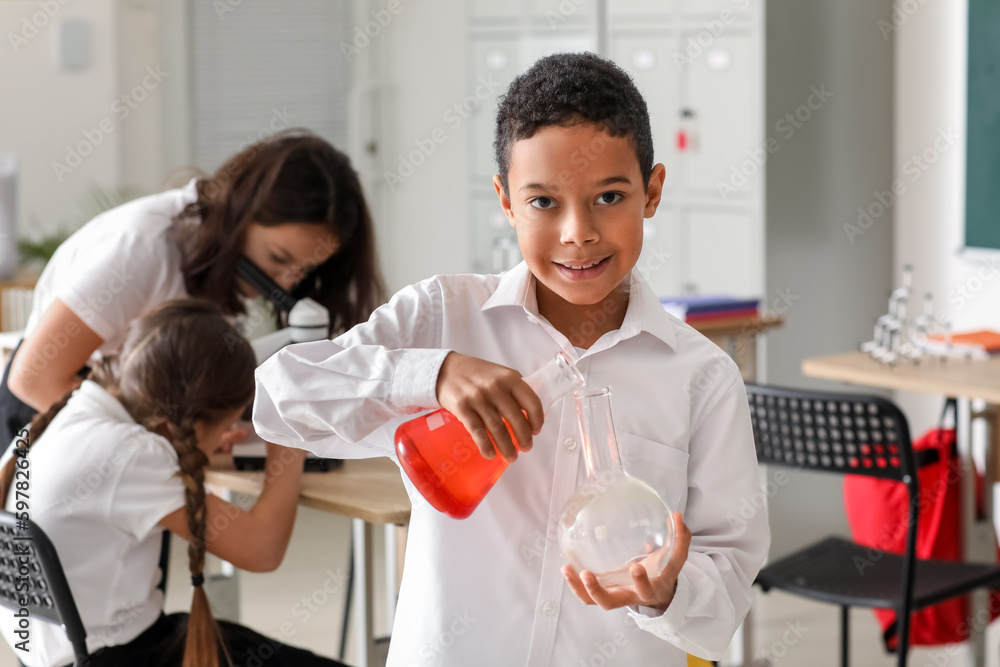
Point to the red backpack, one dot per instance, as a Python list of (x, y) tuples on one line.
[(877, 510)]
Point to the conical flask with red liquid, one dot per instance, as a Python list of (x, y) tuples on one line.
[(613, 519), (442, 460)]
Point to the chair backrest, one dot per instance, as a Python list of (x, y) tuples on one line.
[(830, 432), (30, 572)]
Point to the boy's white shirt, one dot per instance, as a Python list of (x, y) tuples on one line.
[(490, 587)]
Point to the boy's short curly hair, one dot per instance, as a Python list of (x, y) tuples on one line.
[(568, 88)]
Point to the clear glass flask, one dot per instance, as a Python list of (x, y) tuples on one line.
[(613, 519), (442, 460)]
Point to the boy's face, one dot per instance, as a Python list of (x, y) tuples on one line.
[(577, 202)]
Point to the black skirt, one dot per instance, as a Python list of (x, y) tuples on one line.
[(15, 414), (162, 645)]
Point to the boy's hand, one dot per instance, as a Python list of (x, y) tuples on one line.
[(657, 592), (482, 395)]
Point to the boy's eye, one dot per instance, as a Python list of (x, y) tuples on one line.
[(277, 260), (609, 198), (542, 202)]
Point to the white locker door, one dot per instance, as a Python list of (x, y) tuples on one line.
[(484, 11), (649, 58), (713, 9), (496, 60), (562, 13), (494, 242), (627, 10), (720, 88), (721, 252), (660, 261)]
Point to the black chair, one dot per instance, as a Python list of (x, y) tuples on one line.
[(858, 435), (48, 594)]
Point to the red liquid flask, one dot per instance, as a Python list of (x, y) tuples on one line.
[(442, 460)]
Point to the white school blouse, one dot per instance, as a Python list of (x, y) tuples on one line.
[(487, 589), (99, 485), (115, 268)]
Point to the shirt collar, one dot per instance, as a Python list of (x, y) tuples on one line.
[(645, 313)]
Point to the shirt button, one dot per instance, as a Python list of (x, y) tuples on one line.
[(570, 444), (549, 608)]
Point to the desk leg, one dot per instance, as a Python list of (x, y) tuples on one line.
[(223, 589), (980, 535), (364, 627), (390, 574)]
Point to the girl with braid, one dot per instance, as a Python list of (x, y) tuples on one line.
[(122, 458)]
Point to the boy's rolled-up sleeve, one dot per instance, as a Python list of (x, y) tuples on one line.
[(327, 396), (726, 513)]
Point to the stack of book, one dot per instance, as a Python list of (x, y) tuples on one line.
[(711, 309), (980, 344)]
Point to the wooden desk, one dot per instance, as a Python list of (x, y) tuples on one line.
[(370, 492), (960, 378), (964, 379), (366, 489), (738, 337)]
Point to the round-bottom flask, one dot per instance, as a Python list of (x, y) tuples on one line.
[(613, 519)]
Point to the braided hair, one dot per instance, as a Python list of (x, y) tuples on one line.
[(181, 363)]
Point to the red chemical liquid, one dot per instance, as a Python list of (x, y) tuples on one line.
[(442, 460)]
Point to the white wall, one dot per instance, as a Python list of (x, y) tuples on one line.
[(44, 109), (424, 229), (827, 168), (931, 52)]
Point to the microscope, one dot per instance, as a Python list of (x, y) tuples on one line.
[(307, 321)]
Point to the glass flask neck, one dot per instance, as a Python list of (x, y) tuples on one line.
[(555, 379), (597, 430)]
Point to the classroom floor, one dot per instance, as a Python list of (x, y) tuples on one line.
[(319, 550)]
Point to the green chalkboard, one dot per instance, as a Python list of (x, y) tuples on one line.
[(982, 194)]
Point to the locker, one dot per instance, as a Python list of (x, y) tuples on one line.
[(712, 9), (720, 89), (660, 260), (625, 10), (557, 13), (721, 250), (649, 59), (494, 242), (490, 10), (497, 59)]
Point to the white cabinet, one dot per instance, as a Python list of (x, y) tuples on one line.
[(700, 66), (492, 236), (720, 247), (648, 57), (720, 93), (497, 60)]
